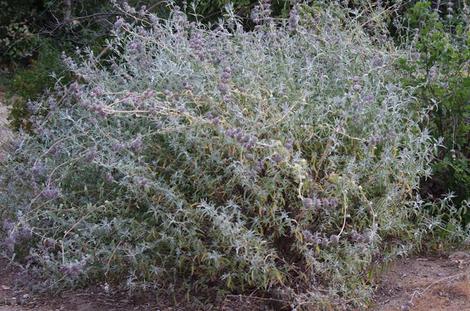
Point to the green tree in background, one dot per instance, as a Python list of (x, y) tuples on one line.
[(440, 72)]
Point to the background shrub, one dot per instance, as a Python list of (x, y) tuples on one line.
[(31, 82), (440, 71), (17, 36)]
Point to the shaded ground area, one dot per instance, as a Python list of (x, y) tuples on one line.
[(14, 296)]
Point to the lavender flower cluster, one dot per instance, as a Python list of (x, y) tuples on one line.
[(15, 234), (246, 140), (224, 81), (261, 12), (316, 239)]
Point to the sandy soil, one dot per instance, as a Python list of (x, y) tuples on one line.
[(422, 284)]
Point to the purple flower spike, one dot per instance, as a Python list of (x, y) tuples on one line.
[(216, 121), (294, 19), (9, 244), (307, 203), (73, 270), (109, 177), (277, 158), (223, 88), (357, 87), (25, 233), (38, 170), (8, 224), (118, 24), (289, 145), (51, 193), (137, 144), (308, 236), (91, 155), (334, 239), (117, 147)]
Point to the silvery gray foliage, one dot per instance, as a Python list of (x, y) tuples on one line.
[(274, 159)]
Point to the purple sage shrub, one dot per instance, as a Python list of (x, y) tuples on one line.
[(235, 158)]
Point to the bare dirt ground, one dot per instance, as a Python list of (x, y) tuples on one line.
[(421, 283), (426, 283)]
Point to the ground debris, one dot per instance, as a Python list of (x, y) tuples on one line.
[(437, 283)]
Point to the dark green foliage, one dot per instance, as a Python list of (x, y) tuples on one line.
[(211, 10), (439, 71), (17, 38), (30, 82)]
